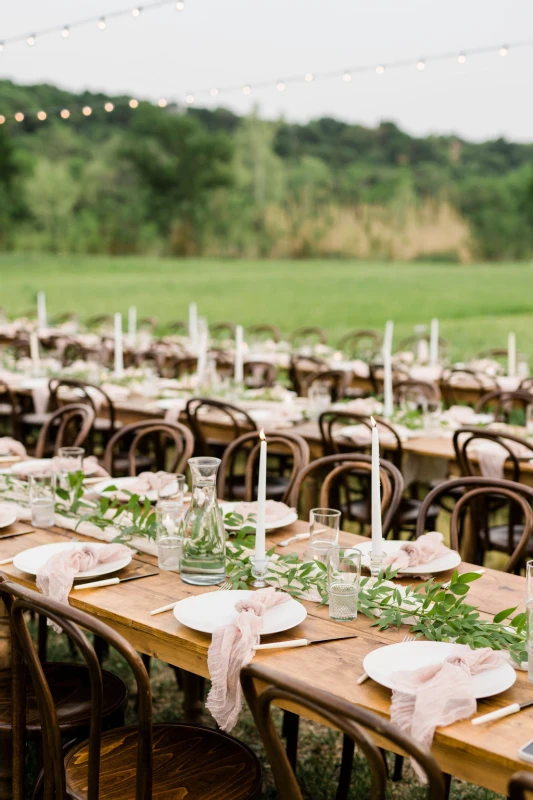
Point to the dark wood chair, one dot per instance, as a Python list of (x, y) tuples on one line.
[(521, 786), (69, 426), (259, 332), (179, 326), (494, 354), (139, 761), (177, 366), (99, 320), (21, 347), (148, 323), (144, 445), (477, 492), (376, 376), (508, 407), (308, 336), (260, 374), (301, 367), (361, 344), (104, 427), (9, 412), (238, 473), (74, 351), (335, 379), (410, 344), (497, 536), (222, 330), (455, 382), (330, 424), (65, 316), (262, 687), (202, 413), (421, 389), (526, 385)]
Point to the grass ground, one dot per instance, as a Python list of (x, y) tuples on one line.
[(477, 304)]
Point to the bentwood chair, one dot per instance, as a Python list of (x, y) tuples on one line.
[(410, 344), (301, 367), (456, 384), (99, 321), (203, 414), (222, 330), (361, 344), (65, 316), (260, 374), (238, 473), (477, 491), (263, 686), (377, 375), (9, 412), (148, 323), (422, 390), (145, 446), (261, 332), (335, 379), (69, 426), (140, 761), (96, 397), (508, 407), (521, 786), (179, 326), (308, 336), (526, 385)]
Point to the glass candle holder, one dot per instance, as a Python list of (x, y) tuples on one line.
[(172, 489), (324, 526)]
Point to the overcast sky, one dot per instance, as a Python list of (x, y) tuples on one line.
[(165, 53)]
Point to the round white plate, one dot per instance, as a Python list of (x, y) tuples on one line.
[(167, 403), (7, 515), (208, 611), (383, 663), (226, 508), (122, 483), (450, 560), (42, 465), (32, 559)]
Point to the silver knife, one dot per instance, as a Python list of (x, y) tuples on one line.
[(111, 581), (514, 708)]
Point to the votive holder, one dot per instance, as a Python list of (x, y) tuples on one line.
[(259, 571), (376, 564)]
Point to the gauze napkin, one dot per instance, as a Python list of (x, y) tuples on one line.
[(423, 550), (9, 446), (274, 511)]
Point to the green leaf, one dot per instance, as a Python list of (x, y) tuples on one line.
[(504, 614), (459, 588), (468, 577)]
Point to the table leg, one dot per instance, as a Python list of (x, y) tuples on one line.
[(193, 697)]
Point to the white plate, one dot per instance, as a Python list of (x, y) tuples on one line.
[(167, 403), (450, 560), (7, 515), (42, 465), (208, 611), (32, 559), (272, 526), (122, 483), (381, 664)]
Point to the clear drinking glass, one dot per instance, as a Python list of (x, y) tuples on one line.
[(42, 499), (172, 491), (169, 516), (529, 641), (344, 574), (203, 553), (70, 460), (529, 580), (324, 526), (432, 415), (319, 399)]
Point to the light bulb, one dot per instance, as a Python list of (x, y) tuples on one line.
[(41, 115), (347, 77), (162, 103), (65, 33), (109, 107), (31, 40), (461, 58), (246, 89), (281, 86), (190, 99), (180, 5), (1, 47), (65, 113), (380, 69), (101, 24), (213, 92), (19, 116), (86, 111), (136, 12), (2, 119), (503, 51), (421, 65), (309, 77), (134, 103)]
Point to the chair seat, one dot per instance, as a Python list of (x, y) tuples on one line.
[(407, 513), (71, 691), (275, 488), (499, 539), (189, 762), (35, 419), (104, 424)]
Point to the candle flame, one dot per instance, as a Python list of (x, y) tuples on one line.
[(262, 435), (373, 422)]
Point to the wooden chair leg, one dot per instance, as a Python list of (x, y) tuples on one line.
[(42, 638), (193, 697), (290, 728), (101, 648), (447, 785), (345, 777), (398, 768)]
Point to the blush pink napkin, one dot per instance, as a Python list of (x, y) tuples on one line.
[(274, 510), (148, 482), (492, 457), (56, 576), (439, 694), (421, 551), (9, 446), (232, 647)]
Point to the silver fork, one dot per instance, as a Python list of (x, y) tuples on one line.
[(224, 586), (364, 676)]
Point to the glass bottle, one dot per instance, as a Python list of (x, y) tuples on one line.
[(203, 555)]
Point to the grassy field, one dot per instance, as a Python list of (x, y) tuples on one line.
[(477, 304)]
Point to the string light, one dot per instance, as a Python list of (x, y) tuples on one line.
[(461, 58), (41, 116), (133, 103), (65, 33), (421, 65), (180, 5), (162, 103), (101, 24), (135, 12), (1, 47), (65, 113), (380, 69), (309, 77), (19, 116), (189, 99), (246, 90), (86, 111), (281, 86), (213, 92), (347, 77), (2, 119), (31, 40), (109, 107), (503, 51)]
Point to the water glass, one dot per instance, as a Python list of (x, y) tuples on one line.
[(529, 580), (344, 575), (432, 416), (324, 526), (529, 640), (42, 499), (168, 534), (70, 459), (173, 490), (319, 399)]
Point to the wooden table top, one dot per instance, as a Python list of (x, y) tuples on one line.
[(485, 755)]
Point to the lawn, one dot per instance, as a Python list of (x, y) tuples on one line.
[(477, 304)]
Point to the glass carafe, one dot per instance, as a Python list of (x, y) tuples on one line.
[(203, 555)]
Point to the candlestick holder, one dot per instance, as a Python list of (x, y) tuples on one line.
[(259, 571), (376, 564)]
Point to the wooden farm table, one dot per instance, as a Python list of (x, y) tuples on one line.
[(486, 755)]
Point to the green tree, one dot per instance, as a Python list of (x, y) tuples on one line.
[(51, 194)]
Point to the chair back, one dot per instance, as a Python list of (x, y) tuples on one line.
[(176, 366), (263, 687), (361, 344), (261, 374), (69, 425), (331, 424), (410, 344), (476, 491), (155, 436), (506, 406), (521, 786), (244, 453), (199, 418), (466, 441), (222, 330), (455, 383), (85, 392), (335, 379), (526, 385), (99, 320), (324, 472), (147, 323), (307, 336), (179, 326), (258, 332), (25, 657), (300, 367), (10, 406), (422, 390), (377, 375)]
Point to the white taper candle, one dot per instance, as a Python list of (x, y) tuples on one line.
[(193, 326), (434, 343), (511, 355), (375, 521), (119, 353), (41, 310), (260, 535), (238, 376)]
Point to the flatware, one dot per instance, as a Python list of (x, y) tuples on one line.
[(298, 538), (223, 587), (6, 561), (12, 535), (364, 676), (514, 708), (299, 642), (112, 581)]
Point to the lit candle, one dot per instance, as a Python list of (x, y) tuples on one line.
[(34, 349), (193, 326), (260, 550), (511, 355), (41, 309), (238, 355), (132, 322), (119, 355), (434, 343), (376, 494)]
